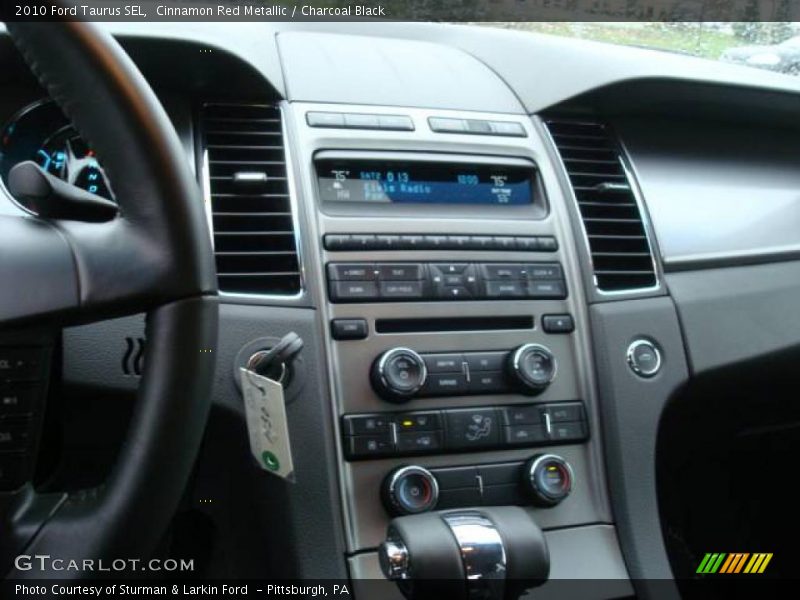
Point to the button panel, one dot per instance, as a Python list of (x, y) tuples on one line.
[(341, 242), (339, 120), (22, 371), (463, 430), (397, 282)]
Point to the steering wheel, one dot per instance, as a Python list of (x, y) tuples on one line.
[(154, 256)]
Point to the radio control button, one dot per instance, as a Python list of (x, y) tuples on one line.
[(450, 268), (387, 242), (544, 271), (547, 289), (361, 121), (353, 290), (485, 361), (548, 244), (401, 289), (445, 125), (444, 363), (336, 241), (396, 122), (458, 242), (558, 323), (363, 242), (497, 272), (351, 272), (527, 244), (504, 243), (505, 289), (324, 119), (411, 242), (481, 242), (435, 242), (454, 293), (401, 272)]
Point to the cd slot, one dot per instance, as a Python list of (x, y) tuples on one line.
[(436, 324)]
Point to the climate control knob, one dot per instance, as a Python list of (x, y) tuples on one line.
[(548, 478), (410, 490), (398, 374), (532, 367)]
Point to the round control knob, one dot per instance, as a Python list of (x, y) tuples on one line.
[(410, 490), (398, 374), (532, 367), (549, 478)]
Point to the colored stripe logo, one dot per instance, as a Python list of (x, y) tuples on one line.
[(733, 563)]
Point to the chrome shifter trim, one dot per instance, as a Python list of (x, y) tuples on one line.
[(482, 553)]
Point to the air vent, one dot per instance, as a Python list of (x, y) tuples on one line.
[(254, 236), (621, 254)]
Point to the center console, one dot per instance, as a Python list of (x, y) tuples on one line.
[(455, 320)]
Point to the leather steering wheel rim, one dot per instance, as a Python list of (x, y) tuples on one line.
[(155, 257)]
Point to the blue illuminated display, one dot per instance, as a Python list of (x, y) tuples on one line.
[(397, 182)]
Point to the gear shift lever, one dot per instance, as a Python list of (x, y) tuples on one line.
[(492, 553)]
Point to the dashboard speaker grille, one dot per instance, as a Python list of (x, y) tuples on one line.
[(255, 241), (622, 257)]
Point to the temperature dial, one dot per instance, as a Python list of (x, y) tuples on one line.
[(548, 478), (532, 367), (410, 490), (398, 374)]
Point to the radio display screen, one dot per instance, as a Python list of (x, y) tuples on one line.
[(405, 182)]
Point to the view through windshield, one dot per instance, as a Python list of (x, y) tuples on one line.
[(774, 46)]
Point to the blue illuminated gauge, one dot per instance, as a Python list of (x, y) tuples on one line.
[(68, 157), (40, 132)]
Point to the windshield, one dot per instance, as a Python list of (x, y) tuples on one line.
[(774, 46)]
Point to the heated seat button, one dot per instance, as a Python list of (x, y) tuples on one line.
[(365, 446), (470, 428), (365, 424), (418, 421), (419, 441), (349, 329)]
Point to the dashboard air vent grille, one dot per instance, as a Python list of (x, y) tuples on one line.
[(622, 257), (251, 211)]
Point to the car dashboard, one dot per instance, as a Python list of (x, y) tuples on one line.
[(499, 249)]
